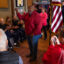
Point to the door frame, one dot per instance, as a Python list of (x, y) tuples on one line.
[(12, 7)]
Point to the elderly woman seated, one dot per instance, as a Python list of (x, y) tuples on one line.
[(55, 52)]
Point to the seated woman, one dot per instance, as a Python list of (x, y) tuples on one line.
[(8, 31), (55, 52), (19, 32), (15, 29)]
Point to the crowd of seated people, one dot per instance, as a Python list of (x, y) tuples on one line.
[(14, 30)]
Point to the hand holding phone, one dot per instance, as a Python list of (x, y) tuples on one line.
[(54, 41)]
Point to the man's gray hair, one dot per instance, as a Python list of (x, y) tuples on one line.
[(3, 39)]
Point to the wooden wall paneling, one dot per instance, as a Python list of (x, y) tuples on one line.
[(29, 2), (3, 3), (12, 7)]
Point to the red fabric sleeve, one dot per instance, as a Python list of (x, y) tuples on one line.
[(21, 17), (47, 55), (46, 16)]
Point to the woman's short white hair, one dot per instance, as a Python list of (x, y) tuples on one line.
[(3, 39)]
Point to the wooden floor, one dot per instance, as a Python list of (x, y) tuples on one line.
[(22, 51), (42, 44)]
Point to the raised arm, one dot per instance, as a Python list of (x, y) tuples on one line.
[(20, 16)]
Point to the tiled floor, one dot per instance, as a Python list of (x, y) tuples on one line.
[(24, 50)]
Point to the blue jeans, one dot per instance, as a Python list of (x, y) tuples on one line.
[(29, 38), (35, 45)]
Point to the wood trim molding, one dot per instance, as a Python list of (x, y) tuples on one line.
[(12, 7), (38, 0), (29, 2)]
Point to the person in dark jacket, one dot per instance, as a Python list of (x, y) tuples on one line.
[(15, 30), (20, 32), (7, 56), (8, 33), (63, 10)]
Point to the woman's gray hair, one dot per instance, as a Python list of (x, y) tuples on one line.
[(3, 39)]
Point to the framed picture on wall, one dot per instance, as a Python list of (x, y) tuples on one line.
[(19, 3), (3, 3)]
